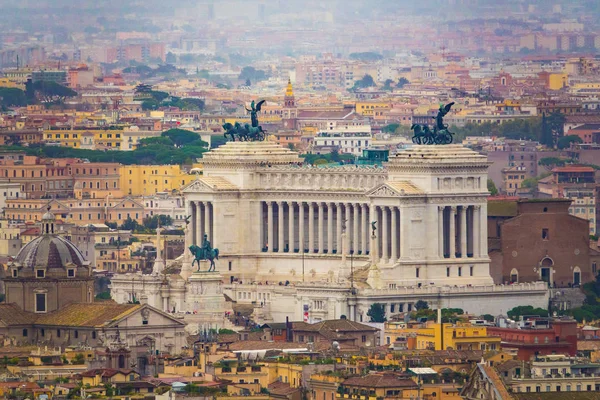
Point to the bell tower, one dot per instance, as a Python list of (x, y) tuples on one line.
[(289, 99), (290, 112)]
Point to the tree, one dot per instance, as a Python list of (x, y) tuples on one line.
[(421, 305), (377, 312), (180, 137), (566, 141), (387, 85), (366, 56), (130, 225), (491, 186), (48, 92), (151, 222), (552, 162), (366, 82), (12, 97), (390, 128), (401, 82), (252, 74), (150, 104), (488, 317), (79, 359), (103, 296), (519, 311)]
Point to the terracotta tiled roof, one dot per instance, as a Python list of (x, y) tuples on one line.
[(339, 325), (11, 314), (264, 345), (282, 389), (583, 345), (574, 168), (87, 314), (106, 372), (492, 374), (385, 380)]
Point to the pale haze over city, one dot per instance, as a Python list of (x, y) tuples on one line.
[(300, 200)]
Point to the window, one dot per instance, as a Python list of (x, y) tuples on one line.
[(94, 335), (15, 273), (40, 302), (447, 271), (58, 333), (459, 271), (471, 270), (364, 338), (417, 272), (70, 272), (42, 332), (545, 234), (25, 333), (40, 273), (301, 338), (76, 334)]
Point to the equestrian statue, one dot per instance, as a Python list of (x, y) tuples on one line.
[(440, 134), (253, 132), (206, 252)]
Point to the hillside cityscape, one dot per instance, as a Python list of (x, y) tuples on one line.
[(300, 200)]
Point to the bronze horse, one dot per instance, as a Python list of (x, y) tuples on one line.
[(199, 255)]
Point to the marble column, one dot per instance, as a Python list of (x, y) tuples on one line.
[(280, 227), (384, 235), (291, 227), (338, 227), (329, 228), (356, 227), (311, 227), (301, 233), (463, 232), (394, 234), (270, 243), (441, 231), (374, 242), (207, 221), (404, 234), (364, 229), (189, 231), (320, 228), (452, 232), (476, 231), (199, 227)]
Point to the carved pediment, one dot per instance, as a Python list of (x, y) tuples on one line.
[(383, 191), (197, 186)]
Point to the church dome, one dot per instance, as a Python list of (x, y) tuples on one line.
[(49, 251)]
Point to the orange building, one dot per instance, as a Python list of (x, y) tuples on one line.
[(39, 178)]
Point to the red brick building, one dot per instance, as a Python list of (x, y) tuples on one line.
[(559, 338), (535, 240)]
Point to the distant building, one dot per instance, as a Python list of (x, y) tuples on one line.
[(534, 337), (538, 240)]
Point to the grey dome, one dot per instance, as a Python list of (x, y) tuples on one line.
[(49, 251)]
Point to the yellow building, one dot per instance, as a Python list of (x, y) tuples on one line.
[(98, 377), (372, 108), (82, 138), (286, 373), (141, 180), (10, 239), (8, 83), (558, 81), (434, 336), (235, 372)]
